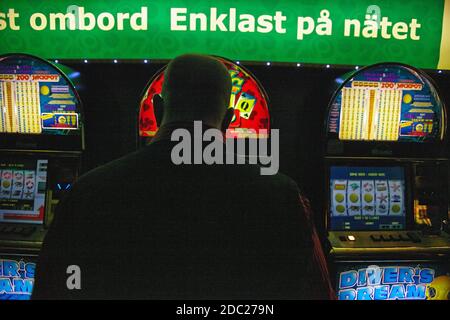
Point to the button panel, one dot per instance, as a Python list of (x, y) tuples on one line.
[(396, 237), (19, 230), (392, 237)]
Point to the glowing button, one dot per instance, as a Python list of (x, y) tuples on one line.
[(407, 98), (45, 90)]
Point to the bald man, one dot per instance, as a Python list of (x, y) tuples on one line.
[(142, 227)]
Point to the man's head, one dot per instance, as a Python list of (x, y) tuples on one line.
[(196, 87)]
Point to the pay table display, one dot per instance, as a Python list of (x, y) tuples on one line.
[(36, 99), (386, 103)]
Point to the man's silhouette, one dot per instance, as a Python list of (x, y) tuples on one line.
[(142, 227)]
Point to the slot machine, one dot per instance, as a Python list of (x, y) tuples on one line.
[(386, 161), (41, 143), (248, 98)]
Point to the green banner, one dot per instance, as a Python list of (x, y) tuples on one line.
[(344, 32)]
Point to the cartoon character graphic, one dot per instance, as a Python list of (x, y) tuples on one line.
[(439, 288)]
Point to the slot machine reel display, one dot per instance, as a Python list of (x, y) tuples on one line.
[(41, 141), (248, 99), (387, 176)]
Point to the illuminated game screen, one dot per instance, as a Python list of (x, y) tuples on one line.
[(16, 277), (387, 103), (23, 186), (36, 99), (248, 99), (367, 198), (393, 281)]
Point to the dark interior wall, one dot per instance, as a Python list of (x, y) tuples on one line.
[(298, 100)]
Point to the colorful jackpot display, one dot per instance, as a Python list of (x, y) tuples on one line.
[(387, 103), (35, 98), (387, 166), (248, 99)]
